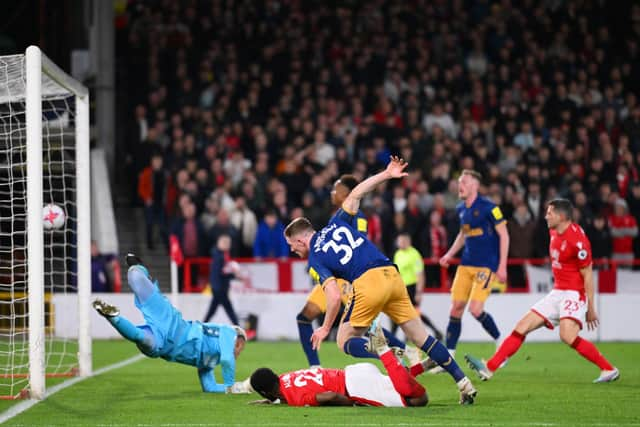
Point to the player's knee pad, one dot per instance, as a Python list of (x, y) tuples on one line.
[(301, 318)]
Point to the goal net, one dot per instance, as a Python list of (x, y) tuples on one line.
[(44, 159)]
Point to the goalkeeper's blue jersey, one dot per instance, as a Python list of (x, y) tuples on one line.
[(340, 250), (203, 345)]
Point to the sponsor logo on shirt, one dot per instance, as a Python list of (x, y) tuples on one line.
[(497, 213)]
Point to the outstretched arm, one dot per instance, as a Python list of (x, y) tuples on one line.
[(395, 169)]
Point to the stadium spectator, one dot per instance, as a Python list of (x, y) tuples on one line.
[(190, 232), (524, 227), (222, 226), (151, 190), (269, 241), (191, 236), (600, 238), (102, 273), (623, 230), (244, 219)]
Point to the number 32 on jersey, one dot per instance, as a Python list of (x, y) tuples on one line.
[(345, 248)]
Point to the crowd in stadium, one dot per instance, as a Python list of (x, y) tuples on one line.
[(243, 114)]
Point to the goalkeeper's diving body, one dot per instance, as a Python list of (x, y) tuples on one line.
[(167, 335)]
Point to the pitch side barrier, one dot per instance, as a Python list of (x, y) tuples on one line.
[(287, 275)]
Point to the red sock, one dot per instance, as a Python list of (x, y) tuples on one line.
[(591, 353), (507, 349), (405, 384), (416, 369)]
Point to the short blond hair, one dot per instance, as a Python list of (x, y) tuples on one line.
[(298, 226), (473, 173)]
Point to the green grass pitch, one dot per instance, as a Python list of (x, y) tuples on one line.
[(544, 384)]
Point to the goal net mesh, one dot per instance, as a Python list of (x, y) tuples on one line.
[(59, 187)]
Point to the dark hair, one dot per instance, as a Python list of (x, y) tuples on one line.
[(265, 382), (563, 206), (298, 226), (348, 181), (477, 175)]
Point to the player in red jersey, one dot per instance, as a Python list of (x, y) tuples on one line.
[(359, 384), (570, 302)]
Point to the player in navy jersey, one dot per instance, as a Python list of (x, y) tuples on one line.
[(340, 251), (168, 336), (316, 304), (485, 239)]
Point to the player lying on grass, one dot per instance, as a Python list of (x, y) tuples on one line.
[(167, 335), (570, 302), (316, 304), (359, 384)]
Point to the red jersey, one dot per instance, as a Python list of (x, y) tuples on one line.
[(300, 388), (621, 223), (569, 252)]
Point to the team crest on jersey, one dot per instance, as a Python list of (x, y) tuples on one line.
[(475, 212), (563, 246)]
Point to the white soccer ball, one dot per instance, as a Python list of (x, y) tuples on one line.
[(53, 217)]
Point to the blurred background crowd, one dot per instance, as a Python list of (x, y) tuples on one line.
[(242, 114)]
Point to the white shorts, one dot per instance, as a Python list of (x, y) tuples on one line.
[(561, 304), (365, 384)]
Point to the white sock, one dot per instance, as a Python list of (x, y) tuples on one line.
[(462, 382)]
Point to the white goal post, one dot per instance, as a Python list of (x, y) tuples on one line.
[(43, 110)]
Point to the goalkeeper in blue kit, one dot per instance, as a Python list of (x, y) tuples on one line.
[(167, 335)]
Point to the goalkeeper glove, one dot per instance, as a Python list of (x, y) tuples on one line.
[(243, 387)]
